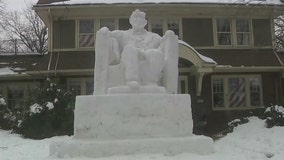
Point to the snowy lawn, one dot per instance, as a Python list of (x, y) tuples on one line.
[(251, 141)]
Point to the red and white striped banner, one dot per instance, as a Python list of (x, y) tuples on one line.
[(86, 40), (237, 92)]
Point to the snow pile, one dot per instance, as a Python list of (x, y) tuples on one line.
[(6, 71), (261, 2), (253, 141), (250, 141)]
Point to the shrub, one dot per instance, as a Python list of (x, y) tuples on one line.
[(7, 119), (274, 116), (236, 122), (48, 113)]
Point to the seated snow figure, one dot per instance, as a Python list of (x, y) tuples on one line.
[(135, 60)]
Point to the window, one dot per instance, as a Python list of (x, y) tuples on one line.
[(160, 26), (233, 32), (157, 26), (254, 91), (1, 92), (107, 22), (15, 97), (81, 86), (236, 92), (86, 33), (224, 31), (218, 92), (89, 87), (182, 84), (242, 32), (124, 24), (75, 86), (173, 24)]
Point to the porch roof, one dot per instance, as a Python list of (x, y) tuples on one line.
[(22, 63)]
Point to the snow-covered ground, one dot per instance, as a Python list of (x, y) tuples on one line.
[(251, 141)]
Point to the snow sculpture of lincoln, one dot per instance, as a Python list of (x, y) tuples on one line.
[(135, 60)]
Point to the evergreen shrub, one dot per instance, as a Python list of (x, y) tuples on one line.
[(274, 116), (48, 113)]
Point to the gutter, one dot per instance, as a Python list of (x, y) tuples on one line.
[(64, 5), (63, 72), (220, 68)]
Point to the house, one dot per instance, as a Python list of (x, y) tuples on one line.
[(227, 62)]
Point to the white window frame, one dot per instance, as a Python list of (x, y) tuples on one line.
[(233, 32), (82, 82), (226, 92)]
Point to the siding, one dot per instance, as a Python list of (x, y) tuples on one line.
[(124, 24), (64, 34), (262, 32), (198, 32)]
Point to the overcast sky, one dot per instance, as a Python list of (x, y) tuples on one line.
[(18, 4)]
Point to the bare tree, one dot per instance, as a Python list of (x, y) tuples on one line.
[(279, 31), (27, 27)]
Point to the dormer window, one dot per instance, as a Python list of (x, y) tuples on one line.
[(233, 32), (242, 32), (224, 31)]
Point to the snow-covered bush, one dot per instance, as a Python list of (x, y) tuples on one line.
[(2, 102), (274, 116), (236, 122), (49, 113)]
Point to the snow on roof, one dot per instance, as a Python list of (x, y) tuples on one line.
[(6, 71), (202, 57), (260, 2)]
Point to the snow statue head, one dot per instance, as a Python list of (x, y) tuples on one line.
[(138, 19), (136, 61)]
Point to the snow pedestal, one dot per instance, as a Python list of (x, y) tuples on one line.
[(121, 124)]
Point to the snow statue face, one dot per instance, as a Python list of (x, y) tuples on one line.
[(137, 19)]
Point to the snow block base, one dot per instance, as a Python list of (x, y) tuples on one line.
[(106, 148), (122, 124)]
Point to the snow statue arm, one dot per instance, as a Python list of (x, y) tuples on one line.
[(169, 46), (103, 49)]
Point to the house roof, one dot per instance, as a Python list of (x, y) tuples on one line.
[(77, 2), (23, 63)]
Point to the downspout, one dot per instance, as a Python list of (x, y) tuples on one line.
[(58, 53), (51, 39)]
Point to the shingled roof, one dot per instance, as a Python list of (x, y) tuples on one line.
[(49, 1)]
